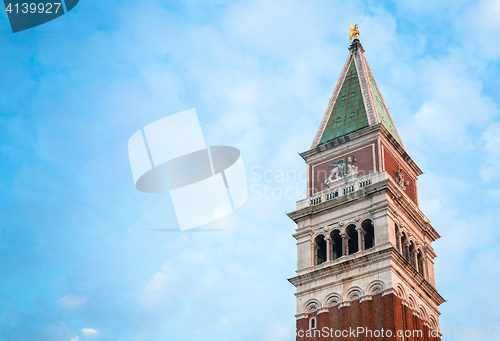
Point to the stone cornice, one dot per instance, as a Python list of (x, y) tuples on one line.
[(339, 141), (340, 201), (304, 232), (399, 264), (334, 269), (301, 316)]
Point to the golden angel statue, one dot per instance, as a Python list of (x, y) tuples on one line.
[(354, 32)]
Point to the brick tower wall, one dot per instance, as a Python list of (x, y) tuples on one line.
[(382, 313)]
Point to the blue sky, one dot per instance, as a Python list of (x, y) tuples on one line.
[(77, 258)]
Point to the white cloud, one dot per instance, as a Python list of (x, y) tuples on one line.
[(160, 290), (438, 201), (477, 26), (491, 14), (89, 332), (455, 104), (71, 302), (156, 287), (436, 195)]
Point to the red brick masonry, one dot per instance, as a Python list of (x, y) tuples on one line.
[(391, 167), (385, 313)]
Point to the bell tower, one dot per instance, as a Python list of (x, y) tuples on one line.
[(364, 255)]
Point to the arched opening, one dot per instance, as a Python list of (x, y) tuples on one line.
[(367, 226), (420, 260), (352, 239), (396, 233), (411, 254), (312, 323), (404, 248), (320, 246), (336, 245), (433, 326)]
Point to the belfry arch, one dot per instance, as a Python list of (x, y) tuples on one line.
[(319, 249), (368, 234)]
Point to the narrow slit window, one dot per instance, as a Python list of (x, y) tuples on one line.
[(312, 323)]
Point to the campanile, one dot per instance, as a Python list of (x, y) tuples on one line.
[(364, 253)]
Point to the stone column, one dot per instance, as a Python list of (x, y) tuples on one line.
[(328, 248), (406, 254), (424, 264), (345, 245), (315, 254), (415, 258), (398, 242), (361, 238), (312, 254)]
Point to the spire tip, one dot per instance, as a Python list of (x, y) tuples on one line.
[(354, 32)]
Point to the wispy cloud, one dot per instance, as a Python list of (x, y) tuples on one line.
[(89, 332), (71, 302)]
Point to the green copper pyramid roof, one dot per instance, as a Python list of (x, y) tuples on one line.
[(383, 114), (356, 101), (349, 112)]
